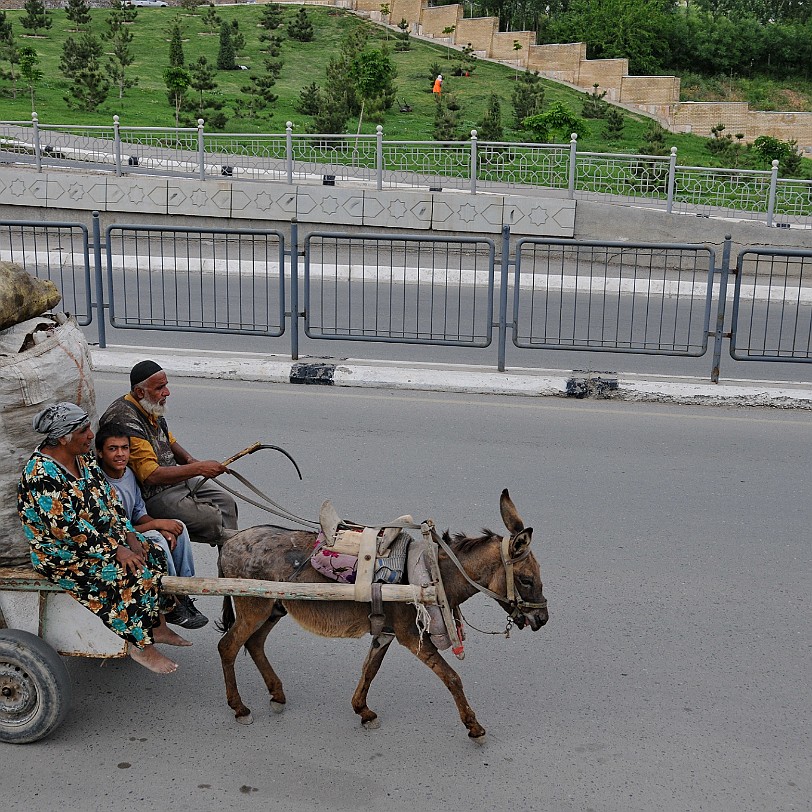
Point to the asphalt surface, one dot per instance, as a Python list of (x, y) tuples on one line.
[(673, 674)]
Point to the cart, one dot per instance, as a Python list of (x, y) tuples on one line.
[(40, 624)]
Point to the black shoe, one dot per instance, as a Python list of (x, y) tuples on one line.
[(186, 615)]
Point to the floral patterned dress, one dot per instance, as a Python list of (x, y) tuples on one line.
[(74, 526)]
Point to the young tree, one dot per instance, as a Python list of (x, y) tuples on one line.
[(258, 95), (490, 128), (517, 46), (593, 105), (614, 123), (176, 80), (201, 80), (446, 122), (30, 71), (557, 120), (78, 54), (373, 74), (309, 100), (8, 51), (527, 97), (300, 28), (191, 5), (89, 89), (211, 19), (403, 36), (37, 18), (176, 56), (78, 13), (226, 56), (237, 38), (271, 17), (121, 57), (128, 12)]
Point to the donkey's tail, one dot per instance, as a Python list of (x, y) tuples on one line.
[(227, 618)]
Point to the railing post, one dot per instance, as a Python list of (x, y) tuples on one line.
[(289, 150), (571, 176), (294, 289), (720, 310), (473, 161), (503, 294), (201, 151), (773, 188), (379, 156), (672, 177), (97, 267), (37, 145), (117, 145)]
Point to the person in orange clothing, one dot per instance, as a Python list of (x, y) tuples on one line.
[(438, 85)]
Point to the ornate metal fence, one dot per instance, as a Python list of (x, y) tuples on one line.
[(369, 159)]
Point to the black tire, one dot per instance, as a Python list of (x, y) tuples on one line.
[(35, 689)]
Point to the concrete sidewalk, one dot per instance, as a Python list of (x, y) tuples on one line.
[(457, 378)]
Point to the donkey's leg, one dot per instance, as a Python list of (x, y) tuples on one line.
[(251, 613), (256, 648), (427, 652), (371, 666)]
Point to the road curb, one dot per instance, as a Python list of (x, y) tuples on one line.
[(457, 378)]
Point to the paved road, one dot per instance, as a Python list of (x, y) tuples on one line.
[(673, 675)]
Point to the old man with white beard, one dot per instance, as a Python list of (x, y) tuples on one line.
[(167, 472)]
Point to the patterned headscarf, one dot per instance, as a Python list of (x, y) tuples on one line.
[(59, 420)]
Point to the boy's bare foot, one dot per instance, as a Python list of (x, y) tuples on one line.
[(152, 659), (163, 634)]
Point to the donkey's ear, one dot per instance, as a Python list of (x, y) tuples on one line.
[(520, 543), (510, 517)]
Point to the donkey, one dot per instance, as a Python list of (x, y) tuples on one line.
[(505, 569)]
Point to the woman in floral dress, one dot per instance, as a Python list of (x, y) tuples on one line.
[(81, 539)]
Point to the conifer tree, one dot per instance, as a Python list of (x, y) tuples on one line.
[(37, 18), (490, 128), (257, 95), (300, 28), (78, 54), (121, 58), (211, 19), (8, 51), (309, 100), (237, 38), (201, 80), (226, 55), (176, 56), (271, 17), (445, 122), (78, 13), (527, 97), (89, 89)]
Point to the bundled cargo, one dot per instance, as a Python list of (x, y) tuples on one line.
[(43, 359)]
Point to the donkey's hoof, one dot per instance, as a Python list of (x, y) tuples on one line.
[(277, 707), (371, 724), (245, 720), (480, 740)]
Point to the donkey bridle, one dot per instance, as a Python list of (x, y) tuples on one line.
[(518, 605)]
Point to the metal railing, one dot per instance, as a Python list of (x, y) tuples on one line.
[(590, 296), (369, 159), (772, 306), (59, 252), (409, 290), (608, 296)]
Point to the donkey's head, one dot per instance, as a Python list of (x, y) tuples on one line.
[(520, 578)]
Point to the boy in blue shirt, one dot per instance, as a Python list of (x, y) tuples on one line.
[(113, 451)]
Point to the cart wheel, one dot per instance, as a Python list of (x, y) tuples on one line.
[(35, 689)]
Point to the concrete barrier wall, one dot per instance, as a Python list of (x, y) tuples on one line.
[(650, 90), (26, 194), (434, 20), (479, 31), (502, 47), (606, 73), (561, 61)]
